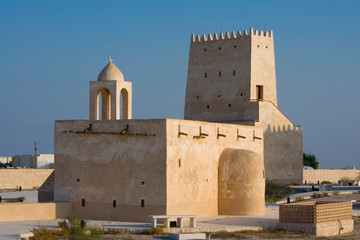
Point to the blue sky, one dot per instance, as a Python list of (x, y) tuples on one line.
[(50, 50)]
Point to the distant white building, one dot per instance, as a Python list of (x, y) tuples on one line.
[(308, 167), (5, 159), (42, 161)]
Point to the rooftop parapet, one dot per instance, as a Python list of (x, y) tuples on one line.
[(228, 36)]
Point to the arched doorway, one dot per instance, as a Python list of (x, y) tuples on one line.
[(241, 183)]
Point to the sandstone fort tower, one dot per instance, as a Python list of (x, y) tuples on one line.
[(214, 162), (231, 78)]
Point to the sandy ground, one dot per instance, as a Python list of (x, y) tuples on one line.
[(11, 230)]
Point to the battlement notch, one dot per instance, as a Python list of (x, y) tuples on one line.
[(229, 36)]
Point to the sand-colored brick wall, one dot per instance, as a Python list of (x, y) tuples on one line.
[(26, 178), (34, 211), (332, 175)]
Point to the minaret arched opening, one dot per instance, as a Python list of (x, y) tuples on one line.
[(103, 102), (124, 104)]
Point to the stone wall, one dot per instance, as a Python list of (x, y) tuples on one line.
[(158, 167), (283, 145), (194, 185), (26, 178), (34, 211), (324, 229), (332, 175), (107, 175), (226, 79)]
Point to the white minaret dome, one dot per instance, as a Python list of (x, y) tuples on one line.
[(110, 72)]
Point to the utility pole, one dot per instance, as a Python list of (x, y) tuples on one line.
[(35, 156)]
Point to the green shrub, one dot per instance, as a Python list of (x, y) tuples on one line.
[(75, 228), (43, 233), (299, 199), (86, 233), (128, 238), (326, 182), (15, 200), (336, 193), (318, 195), (154, 231), (275, 191), (325, 194), (115, 231)]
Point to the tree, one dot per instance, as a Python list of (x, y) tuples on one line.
[(310, 160)]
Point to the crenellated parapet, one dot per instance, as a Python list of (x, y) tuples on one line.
[(229, 36)]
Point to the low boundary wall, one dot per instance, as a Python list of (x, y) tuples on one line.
[(12, 178), (34, 211), (331, 175)]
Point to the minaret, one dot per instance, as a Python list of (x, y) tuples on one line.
[(111, 85)]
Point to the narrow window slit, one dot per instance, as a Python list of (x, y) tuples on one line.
[(142, 203)]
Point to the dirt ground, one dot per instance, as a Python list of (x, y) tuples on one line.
[(274, 234), (266, 234)]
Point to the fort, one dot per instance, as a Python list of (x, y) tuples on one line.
[(214, 162)]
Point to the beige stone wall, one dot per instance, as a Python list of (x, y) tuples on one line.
[(33, 211), (193, 165), (171, 173), (283, 145), (223, 73), (332, 175), (324, 229), (218, 79), (26, 178), (104, 166)]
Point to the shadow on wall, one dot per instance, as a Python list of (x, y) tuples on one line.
[(46, 191), (283, 153)]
